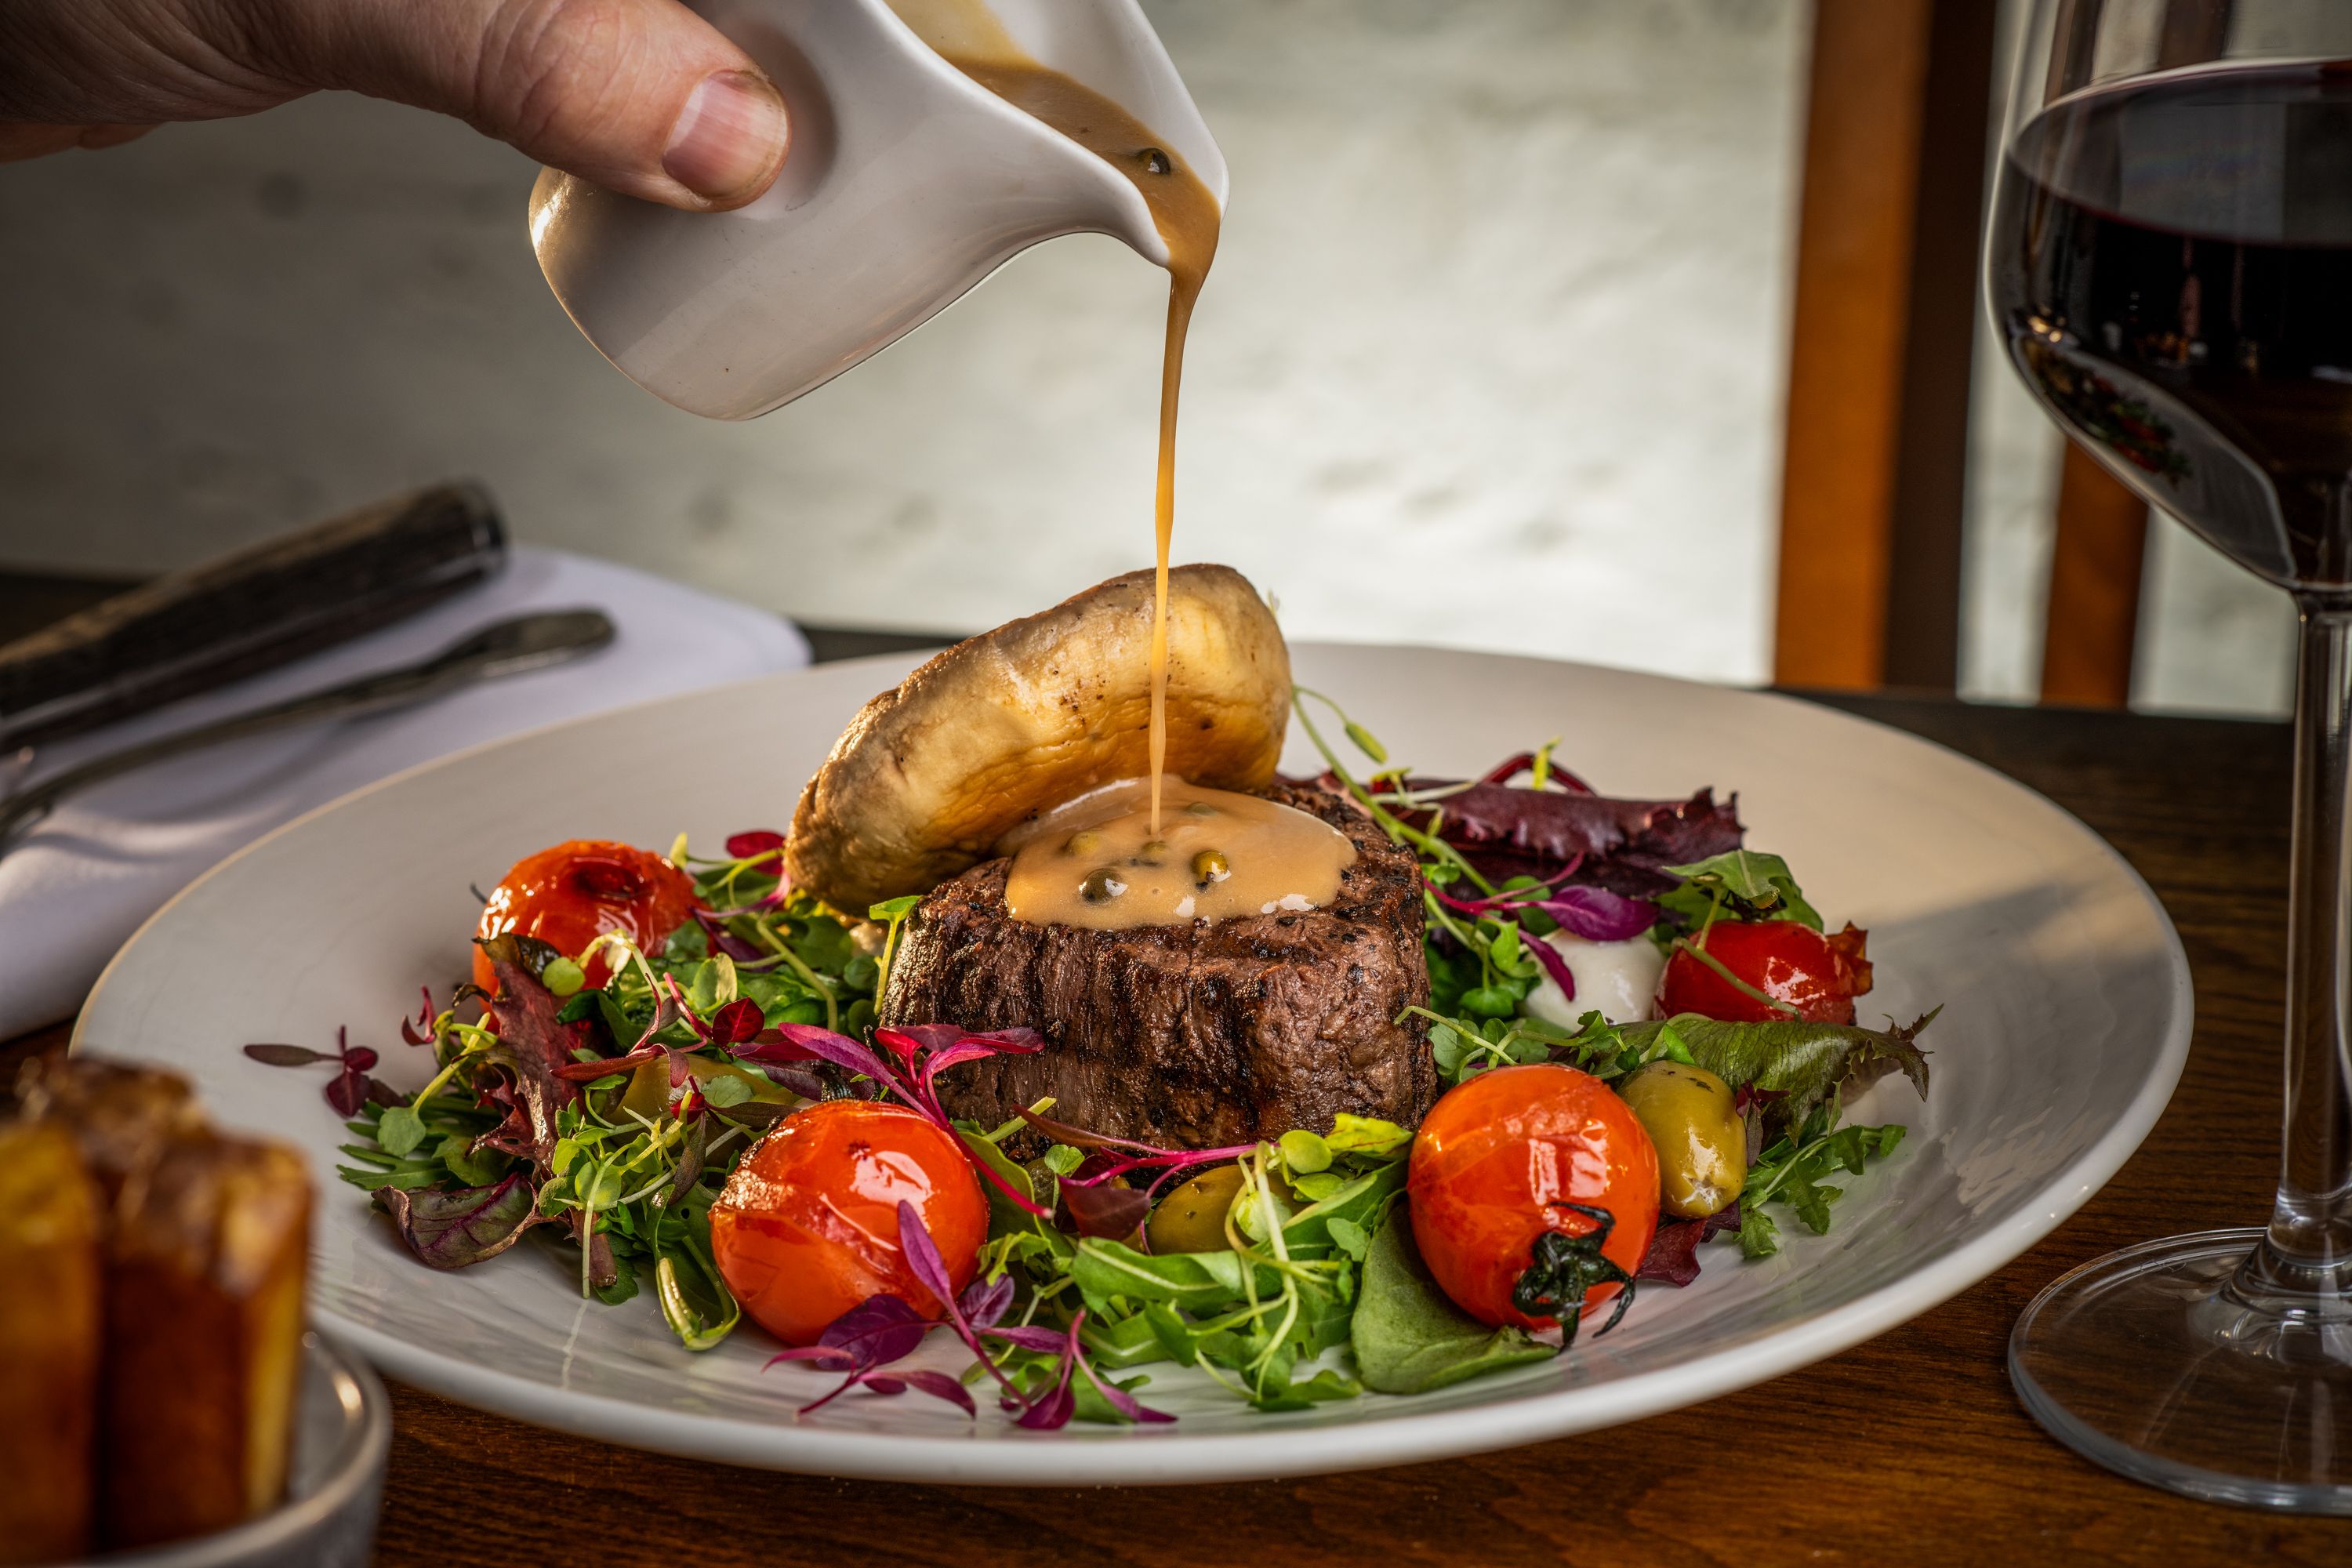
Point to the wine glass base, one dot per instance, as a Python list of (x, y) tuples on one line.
[(2170, 1363)]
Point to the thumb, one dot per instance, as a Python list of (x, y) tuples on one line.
[(642, 97)]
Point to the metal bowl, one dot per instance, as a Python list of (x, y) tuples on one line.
[(343, 1431)]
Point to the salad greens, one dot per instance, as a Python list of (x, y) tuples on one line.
[(629, 1174), (1488, 956), (613, 1115)]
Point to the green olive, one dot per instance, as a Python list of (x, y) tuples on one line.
[(1702, 1144), (1102, 885), (1192, 1217), (1211, 865), (1085, 841)]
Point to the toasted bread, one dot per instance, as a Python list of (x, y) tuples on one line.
[(50, 1246)]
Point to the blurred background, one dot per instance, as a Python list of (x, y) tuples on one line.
[(1497, 354)]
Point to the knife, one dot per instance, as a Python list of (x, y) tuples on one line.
[(247, 612), (511, 647)]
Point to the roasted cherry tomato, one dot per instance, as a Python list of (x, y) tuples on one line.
[(569, 895), (1818, 976), (1517, 1152), (808, 1225)]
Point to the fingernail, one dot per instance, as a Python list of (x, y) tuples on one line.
[(728, 137)]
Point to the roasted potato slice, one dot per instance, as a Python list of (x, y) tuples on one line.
[(204, 1328), (50, 1323), (123, 1116), (927, 777)]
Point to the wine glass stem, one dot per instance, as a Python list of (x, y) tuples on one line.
[(2309, 1242)]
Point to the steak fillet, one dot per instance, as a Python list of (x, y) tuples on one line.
[(1188, 1037)]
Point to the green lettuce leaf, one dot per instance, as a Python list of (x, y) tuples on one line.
[(1410, 1338), (1802, 1062), (1755, 886)]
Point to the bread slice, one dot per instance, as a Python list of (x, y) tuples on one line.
[(203, 1329), (50, 1258)]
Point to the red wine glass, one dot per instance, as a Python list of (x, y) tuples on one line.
[(2170, 267)]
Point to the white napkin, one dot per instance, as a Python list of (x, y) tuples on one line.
[(75, 886)]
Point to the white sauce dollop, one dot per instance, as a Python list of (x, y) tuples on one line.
[(1618, 978)]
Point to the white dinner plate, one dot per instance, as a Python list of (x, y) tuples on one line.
[(2066, 1017)]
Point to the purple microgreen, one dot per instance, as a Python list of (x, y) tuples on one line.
[(673, 1002), (1169, 1163), (606, 1067), (1079, 1137), (922, 1255), (792, 1080), (1052, 1412), (878, 1330), (1106, 1162), (1597, 914), (985, 1301), (1029, 1337), (1018, 1199), (1119, 1399), (350, 1089), (1104, 1210), (756, 844), (420, 1032), (875, 1333), (1553, 964), (923, 1259), (940, 1385), (721, 939), (736, 1022), (281, 1055), (800, 1042), (909, 1040)]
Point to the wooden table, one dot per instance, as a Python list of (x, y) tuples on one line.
[(1909, 1448)]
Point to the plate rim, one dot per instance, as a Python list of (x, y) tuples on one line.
[(1120, 1457)]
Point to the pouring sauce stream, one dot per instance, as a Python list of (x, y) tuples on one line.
[(1186, 214), (1113, 859)]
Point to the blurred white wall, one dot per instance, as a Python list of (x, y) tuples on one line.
[(1493, 356)]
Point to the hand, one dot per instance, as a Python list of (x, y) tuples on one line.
[(640, 95)]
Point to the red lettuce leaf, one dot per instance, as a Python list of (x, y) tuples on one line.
[(452, 1229), (532, 1050), (758, 841), (1551, 826), (1673, 1258), (1106, 1211)]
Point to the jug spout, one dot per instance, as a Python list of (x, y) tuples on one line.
[(906, 182)]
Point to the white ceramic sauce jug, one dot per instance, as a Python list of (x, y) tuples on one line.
[(906, 183)]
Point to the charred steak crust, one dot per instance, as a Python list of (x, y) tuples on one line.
[(1192, 1036)]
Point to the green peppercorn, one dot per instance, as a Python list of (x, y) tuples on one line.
[(1085, 841), (1211, 865), (1199, 808), (1101, 885)]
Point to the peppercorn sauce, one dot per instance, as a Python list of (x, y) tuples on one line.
[(1096, 861)]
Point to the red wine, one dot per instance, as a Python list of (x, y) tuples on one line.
[(2171, 264)]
